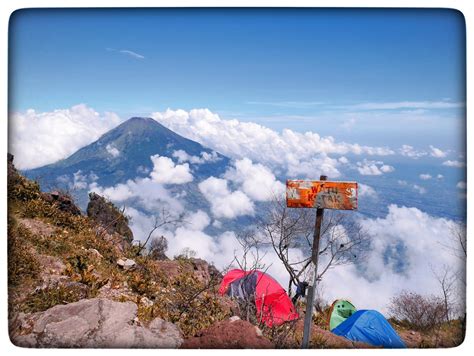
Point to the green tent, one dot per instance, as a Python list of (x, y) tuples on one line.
[(340, 310)]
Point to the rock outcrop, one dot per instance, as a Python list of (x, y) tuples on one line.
[(229, 334), (200, 268), (63, 201), (98, 323), (108, 216), (12, 173)]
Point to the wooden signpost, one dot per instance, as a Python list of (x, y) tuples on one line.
[(321, 195)]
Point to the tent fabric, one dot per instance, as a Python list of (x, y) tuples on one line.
[(243, 288), (340, 310), (273, 305), (371, 327)]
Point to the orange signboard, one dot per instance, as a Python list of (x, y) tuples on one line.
[(321, 194)]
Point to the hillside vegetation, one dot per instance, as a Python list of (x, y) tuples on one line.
[(58, 257)]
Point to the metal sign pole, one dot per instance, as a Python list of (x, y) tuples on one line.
[(312, 288)]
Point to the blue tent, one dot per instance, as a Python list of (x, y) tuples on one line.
[(371, 327)]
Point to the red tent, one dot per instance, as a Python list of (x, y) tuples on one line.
[(274, 307)]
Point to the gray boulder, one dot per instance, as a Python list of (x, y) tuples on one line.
[(94, 323), (63, 201), (108, 216)]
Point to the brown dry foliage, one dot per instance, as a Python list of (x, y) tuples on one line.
[(417, 311)]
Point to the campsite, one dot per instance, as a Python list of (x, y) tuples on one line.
[(194, 304), (288, 178)]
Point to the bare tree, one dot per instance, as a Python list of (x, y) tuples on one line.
[(457, 246), (459, 235), (457, 243), (157, 248), (343, 240), (447, 281), (248, 258), (419, 312), (164, 218)]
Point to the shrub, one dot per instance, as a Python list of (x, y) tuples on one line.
[(157, 248), (417, 311), (185, 301), (81, 270), (22, 189), (54, 294), (22, 264)]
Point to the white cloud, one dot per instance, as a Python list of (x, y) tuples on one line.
[(141, 192), (411, 152), (132, 54), (260, 144), (147, 193), (126, 52), (312, 168), (436, 152), (416, 187), (219, 249), (461, 185), (287, 104), (421, 234), (439, 176), (255, 180), (82, 181), (407, 105), (165, 171), (198, 220), (385, 168), (419, 189), (78, 180), (113, 151), (457, 164), (425, 176), (366, 191), (40, 138), (204, 157), (343, 160), (373, 168), (224, 203)]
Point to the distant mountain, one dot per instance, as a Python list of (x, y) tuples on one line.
[(124, 153)]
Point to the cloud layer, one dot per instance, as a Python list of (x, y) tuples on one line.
[(297, 153), (224, 203), (422, 238), (40, 138), (165, 171)]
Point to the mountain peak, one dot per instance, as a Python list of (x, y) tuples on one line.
[(124, 153), (138, 121), (141, 119)]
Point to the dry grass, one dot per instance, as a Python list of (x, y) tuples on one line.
[(183, 300)]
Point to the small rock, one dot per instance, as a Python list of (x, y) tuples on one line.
[(126, 263), (146, 302), (234, 318), (96, 253)]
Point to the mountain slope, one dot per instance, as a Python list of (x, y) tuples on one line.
[(124, 153)]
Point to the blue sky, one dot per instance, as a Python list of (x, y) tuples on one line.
[(328, 71)]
